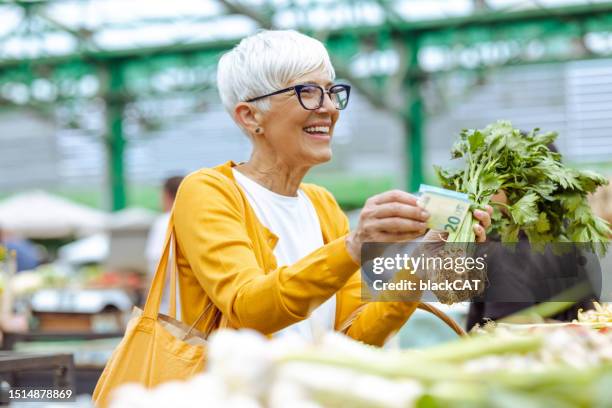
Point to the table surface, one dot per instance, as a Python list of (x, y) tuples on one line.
[(11, 361)]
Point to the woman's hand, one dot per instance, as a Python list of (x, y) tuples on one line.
[(392, 216), (484, 222)]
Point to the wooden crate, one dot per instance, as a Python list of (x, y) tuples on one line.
[(72, 322)]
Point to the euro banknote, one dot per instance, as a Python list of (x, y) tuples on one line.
[(447, 208)]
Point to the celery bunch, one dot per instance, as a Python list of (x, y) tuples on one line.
[(546, 199)]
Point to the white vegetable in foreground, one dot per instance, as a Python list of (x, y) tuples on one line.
[(248, 371), (601, 314)]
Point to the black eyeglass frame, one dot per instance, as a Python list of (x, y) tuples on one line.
[(298, 89)]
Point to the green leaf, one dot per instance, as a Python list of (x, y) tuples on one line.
[(601, 226), (589, 181), (580, 234), (570, 201), (490, 181), (448, 177), (583, 213), (538, 241), (546, 138), (525, 210), (476, 141), (544, 189), (542, 225), (499, 128), (510, 232), (459, 149)]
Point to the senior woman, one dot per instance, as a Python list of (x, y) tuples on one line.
[(256, 247)]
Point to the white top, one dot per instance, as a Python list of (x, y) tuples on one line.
[(295, 222)]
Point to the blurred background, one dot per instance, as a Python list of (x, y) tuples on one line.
[(101, 101)]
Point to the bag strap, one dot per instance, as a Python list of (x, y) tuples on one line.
[(195, 323), (151, 308), (349, 321), (173, 276)]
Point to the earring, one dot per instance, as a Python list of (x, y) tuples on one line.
[(258, 130)]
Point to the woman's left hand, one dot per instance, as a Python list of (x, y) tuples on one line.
[(484, 218)]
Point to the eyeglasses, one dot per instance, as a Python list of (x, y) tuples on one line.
[(311, 96)]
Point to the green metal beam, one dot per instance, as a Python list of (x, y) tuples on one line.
[(175, 49), (429, 29), (115, 140), (494, 20), (414, 117)]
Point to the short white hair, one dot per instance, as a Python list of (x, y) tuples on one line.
[(266, 62)]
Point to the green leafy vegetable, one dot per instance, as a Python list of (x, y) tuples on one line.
[(546, 199)]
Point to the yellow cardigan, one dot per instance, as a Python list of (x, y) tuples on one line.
[(225, 256)]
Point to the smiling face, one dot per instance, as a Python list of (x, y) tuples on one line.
[(298, 136)]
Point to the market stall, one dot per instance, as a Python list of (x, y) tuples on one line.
[(78, 305)]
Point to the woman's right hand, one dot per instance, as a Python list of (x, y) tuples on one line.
[(392, 216)]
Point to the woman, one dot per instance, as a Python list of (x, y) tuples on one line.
[(271, 253)]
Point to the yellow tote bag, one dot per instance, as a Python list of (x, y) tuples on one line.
[(155, 348)]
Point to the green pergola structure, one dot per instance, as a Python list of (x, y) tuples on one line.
[(486, 39)]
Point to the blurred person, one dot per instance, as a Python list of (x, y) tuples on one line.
[(27, 258), (157, 233), (523, 273), (28, 255), (601, 203), (259, 249)]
